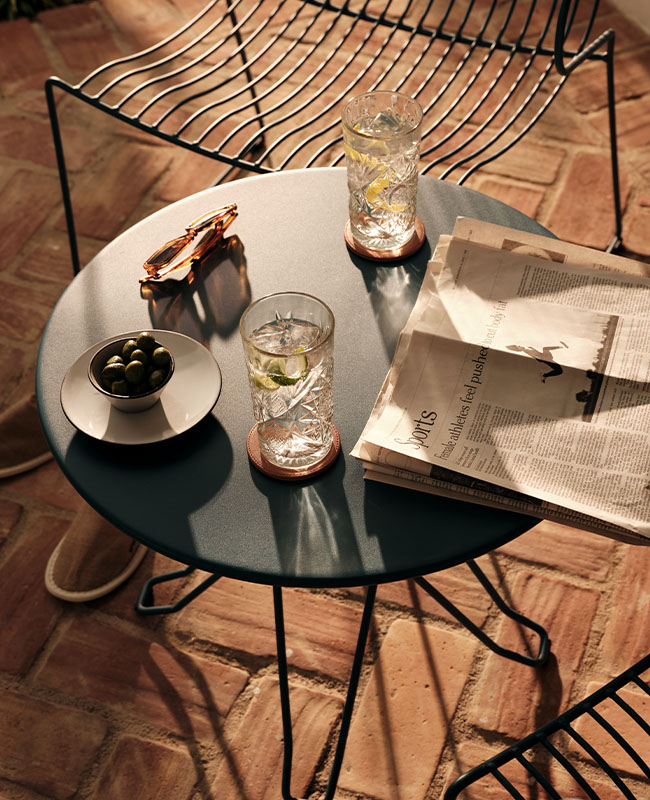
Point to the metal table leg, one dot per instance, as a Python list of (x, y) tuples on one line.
[(349, 700), (144, 604), (544, 641)]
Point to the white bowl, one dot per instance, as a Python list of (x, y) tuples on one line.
[(130, 403)]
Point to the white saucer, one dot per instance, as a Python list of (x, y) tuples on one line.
[(189, 396)]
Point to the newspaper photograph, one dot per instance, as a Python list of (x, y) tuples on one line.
[(522, 379)]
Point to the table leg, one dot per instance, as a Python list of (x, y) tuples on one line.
[(349, 700), (144, 604), (544, 641)]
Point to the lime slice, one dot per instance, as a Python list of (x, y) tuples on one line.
[(276, 367), (288, 371), (265, 382), (284, 380), (297, 365)]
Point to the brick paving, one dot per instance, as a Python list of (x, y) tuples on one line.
[(96, 702)]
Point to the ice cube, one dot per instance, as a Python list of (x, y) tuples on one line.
[(384, 124)]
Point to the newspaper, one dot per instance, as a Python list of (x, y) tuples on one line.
[(522, 380)]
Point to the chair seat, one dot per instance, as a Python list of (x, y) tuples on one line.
[(259, 84)]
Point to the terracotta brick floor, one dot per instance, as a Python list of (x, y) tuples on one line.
[(96, 702)]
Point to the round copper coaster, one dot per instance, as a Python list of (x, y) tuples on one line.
[(407, 249), (294, 474)]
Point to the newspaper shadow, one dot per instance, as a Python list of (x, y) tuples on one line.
[(209, 300), (311, 520)]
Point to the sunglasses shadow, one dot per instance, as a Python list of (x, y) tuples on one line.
[(209, 300)]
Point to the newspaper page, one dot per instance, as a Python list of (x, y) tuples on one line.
[(521, 380), (501, 238)]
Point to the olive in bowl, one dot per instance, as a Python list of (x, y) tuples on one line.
[(131, 371)]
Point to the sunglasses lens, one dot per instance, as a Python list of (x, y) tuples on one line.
[(168, 252), (182, 261), (206, 244)]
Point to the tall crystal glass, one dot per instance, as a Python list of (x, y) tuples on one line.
[(381, 133), (288, 341)]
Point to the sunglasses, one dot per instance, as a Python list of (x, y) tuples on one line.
[(173, 256)]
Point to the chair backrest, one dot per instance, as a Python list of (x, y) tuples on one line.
[(259, 84), (599, 749)]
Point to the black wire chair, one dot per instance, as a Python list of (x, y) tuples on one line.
[(259, 84), (599, 749)]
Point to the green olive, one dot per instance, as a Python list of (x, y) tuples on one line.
[(161, 356), (128, 348), (115, 360), (120, 387), (134, 371), (156, 378), (139, 355), (146, 341), (141, 388), (113, 372)]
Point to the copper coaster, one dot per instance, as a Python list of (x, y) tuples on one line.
[(285, 473), (407, 249)]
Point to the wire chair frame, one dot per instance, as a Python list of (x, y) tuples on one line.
[(585, 757), (258, 85)]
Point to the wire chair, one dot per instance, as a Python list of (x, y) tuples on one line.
[(258, 84), (599, 749)]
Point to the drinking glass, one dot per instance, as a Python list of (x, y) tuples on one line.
[(381, 133), (288, 341)]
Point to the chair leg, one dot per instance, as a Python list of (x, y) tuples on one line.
[(144, 604), (63, 174), (611, 103), (349, 700), (544, 641)]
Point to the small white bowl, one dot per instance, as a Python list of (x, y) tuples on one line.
[(131, 403)]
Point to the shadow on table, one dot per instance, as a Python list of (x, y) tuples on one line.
[(404, 521), (312, 523), (149, 505), (393, 289), (209, 300)]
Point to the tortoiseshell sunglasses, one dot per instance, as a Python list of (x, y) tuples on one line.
[(172, 257)]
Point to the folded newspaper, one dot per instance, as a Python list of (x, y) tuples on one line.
[(522, 381)]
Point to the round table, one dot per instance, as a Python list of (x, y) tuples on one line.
[(196, 497)]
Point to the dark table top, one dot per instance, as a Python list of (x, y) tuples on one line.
[(196, 498)]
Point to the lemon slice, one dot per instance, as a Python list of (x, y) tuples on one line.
[(365, 159), (375, 189), (379, 146)]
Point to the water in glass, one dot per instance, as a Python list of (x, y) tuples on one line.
[(382, 155), (290, 366)]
